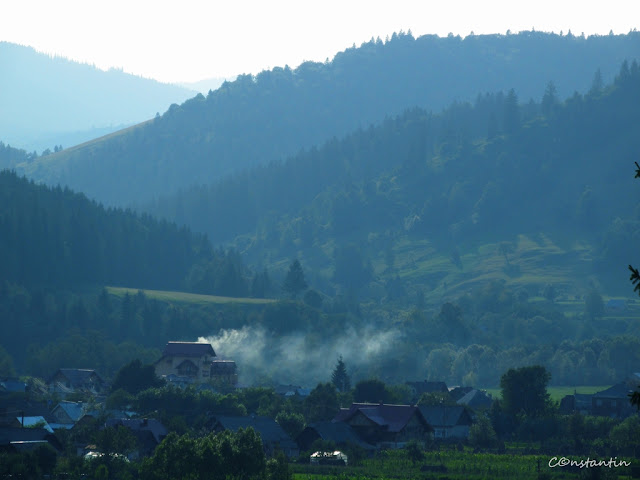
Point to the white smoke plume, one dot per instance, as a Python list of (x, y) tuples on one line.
[(302, 358)]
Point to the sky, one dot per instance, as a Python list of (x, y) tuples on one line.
[(191, 40)]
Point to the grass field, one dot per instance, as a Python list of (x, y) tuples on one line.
[(557, 393), (446, 464), (193, 298)]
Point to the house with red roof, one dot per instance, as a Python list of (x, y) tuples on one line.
[(193, 362), (385, 425)]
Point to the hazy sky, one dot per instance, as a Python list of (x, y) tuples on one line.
[(189, 40)]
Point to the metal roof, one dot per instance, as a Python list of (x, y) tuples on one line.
[(393, 417), (188, 349)]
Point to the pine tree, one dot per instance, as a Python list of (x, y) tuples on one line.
[(340, 378), (294, 282)]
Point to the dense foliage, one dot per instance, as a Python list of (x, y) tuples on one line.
[(72, 240), (444, 185)]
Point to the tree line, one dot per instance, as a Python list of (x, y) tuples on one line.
[(258, 119)]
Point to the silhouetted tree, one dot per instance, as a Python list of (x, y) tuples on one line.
[(322, 403), (372, 390), (340, 378), (524, 390), (135, 377), (294, 282)]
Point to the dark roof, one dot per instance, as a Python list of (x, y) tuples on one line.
[(575, 402), (13, 385), (11, 434), (476, 399), (620, 390), (151, 425), (268, 429), (78, 377), (393, 417), (445, 416), (188, 349), (458, 392), (338, 432)]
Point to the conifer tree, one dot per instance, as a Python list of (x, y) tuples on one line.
[(340, 378), (294, 282)]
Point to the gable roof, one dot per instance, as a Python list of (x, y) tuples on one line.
[(188, 349), (338, 432), (151, 425), (268, 428), (445, 416), (74, 410), (11, 434), (476, 399), (392, 417), (619, 390), (30, 422), (12, 385)]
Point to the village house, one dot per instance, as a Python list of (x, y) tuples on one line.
[(418, 388), (578, 402), (66, 414), (192, 362), (70, 380), (476, 400), (339, 433), (12, 385), (612, 402), (274, 438), (384, 425), (148, 432), (447, 421), (21, 439)]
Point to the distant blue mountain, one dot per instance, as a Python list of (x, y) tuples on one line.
[(44, 99)]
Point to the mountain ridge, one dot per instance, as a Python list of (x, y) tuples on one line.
[(268, 117), (44, 97)]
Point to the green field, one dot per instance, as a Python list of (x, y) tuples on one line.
[(448, 464), (193, 298), (557, 393)]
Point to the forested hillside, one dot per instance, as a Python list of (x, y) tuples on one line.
[(428, 186), (55, 237), (58, 250), (257, 119), (46, 101)]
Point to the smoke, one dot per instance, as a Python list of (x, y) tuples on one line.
[(303, 358)]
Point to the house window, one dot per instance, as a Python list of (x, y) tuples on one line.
[(187, 369), (614, 403), (598, 403)]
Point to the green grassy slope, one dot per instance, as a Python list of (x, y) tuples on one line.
[(183, 297)]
